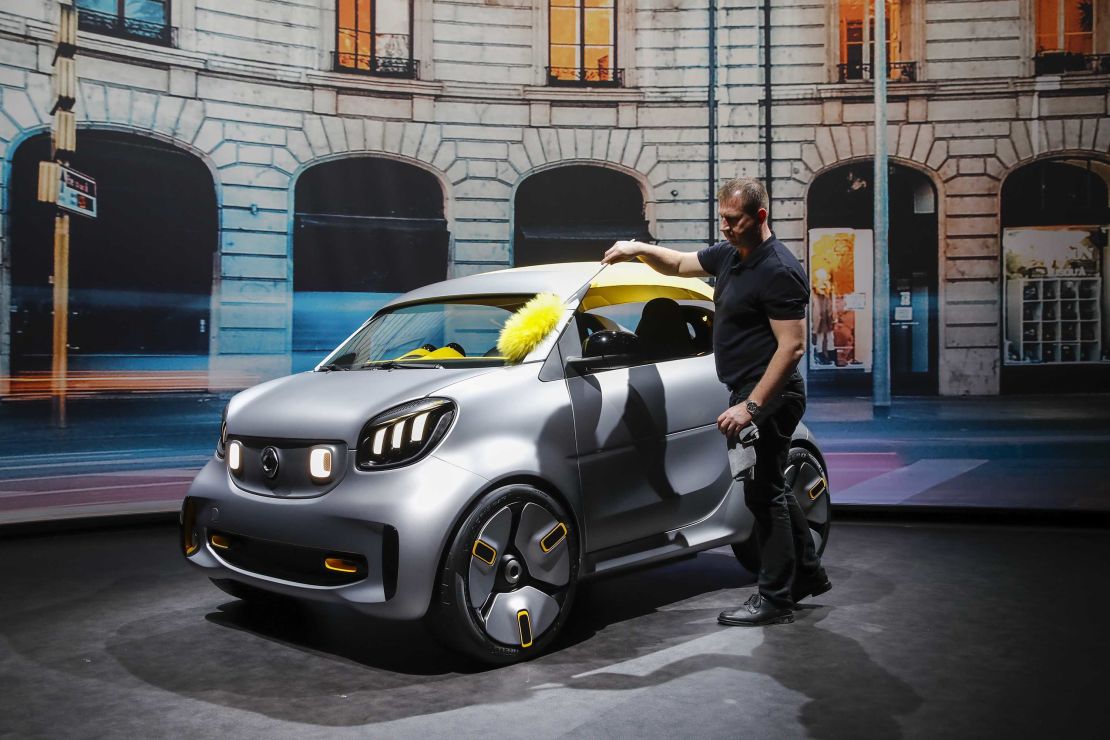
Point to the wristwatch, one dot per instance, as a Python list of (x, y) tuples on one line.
[(752, 408)]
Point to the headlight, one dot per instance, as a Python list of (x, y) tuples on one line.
[(221, 443), (404, 434)]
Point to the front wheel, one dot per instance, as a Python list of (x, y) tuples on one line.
[(809, 483), (508, 577)]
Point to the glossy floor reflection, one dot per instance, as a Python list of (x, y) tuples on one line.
[(930, 630)]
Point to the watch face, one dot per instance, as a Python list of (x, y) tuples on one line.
[(752, 407)]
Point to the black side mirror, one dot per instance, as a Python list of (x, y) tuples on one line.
[(606, 350)]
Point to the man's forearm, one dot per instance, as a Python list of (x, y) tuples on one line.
[(660, 259), (778, 371)]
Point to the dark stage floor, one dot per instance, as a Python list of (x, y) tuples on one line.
[(930, 631)]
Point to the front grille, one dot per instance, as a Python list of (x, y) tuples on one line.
[(286, 562), (292, 478)]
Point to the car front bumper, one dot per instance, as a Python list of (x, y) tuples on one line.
[(394, 523)]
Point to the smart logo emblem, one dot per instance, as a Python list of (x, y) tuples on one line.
[(270, 462)]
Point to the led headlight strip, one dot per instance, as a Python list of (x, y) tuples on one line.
[(404, 434)]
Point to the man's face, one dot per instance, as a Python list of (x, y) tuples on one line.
[(739, 227)]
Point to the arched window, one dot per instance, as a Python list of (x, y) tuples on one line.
[(840, 216), (575, 212), (375, 37), (1056, 303), (366, 230), (141, 272)]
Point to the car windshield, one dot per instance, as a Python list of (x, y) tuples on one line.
[(454, 332)]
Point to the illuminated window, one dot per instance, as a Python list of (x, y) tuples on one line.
[(583, 42), (1065, 25), (375, 37), (144, 20), (857, 41)]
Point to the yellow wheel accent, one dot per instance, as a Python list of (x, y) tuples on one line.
[(525, 624), (552, 539), (484, 552), (220, 542), (818, 488)]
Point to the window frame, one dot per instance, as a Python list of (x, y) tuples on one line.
[(409, 70), (909, 64), (616, 78), (117, 25), (1060, 61)]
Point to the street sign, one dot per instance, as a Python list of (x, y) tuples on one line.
[(77, 193)]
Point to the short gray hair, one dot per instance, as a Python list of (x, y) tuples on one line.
[(753, 195)]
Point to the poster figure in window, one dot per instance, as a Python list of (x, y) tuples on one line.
[(840, 278), (823, 316), (845, 343)]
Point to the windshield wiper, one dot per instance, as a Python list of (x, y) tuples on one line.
[(334, 366), (394, 364)]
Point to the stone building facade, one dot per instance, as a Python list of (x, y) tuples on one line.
[(259, 94)]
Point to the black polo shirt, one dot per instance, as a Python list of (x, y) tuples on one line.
[(769, 284)]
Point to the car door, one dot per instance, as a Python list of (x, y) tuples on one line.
[(649, 453)]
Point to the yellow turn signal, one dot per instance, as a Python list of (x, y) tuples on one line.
[(220, 542), (340, 565)]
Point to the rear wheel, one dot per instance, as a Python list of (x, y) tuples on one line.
[(508, 578), (809, 483)]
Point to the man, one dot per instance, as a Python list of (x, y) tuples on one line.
[(759, 334)]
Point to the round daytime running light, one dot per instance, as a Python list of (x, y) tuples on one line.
[(319, 464), (235, 455)]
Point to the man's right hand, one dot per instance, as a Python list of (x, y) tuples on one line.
[(622, 252)]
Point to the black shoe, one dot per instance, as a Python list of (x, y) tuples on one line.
[(754, 612), (814, 585)]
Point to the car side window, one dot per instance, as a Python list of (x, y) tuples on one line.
[(662, 328)]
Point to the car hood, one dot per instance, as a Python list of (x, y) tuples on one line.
[(333, 405)]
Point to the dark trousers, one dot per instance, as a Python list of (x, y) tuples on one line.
[(787, 547)]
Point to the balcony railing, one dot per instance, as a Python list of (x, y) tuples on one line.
[(111, 24), (585, 76), (895, 71), (1061, 62), (368, 64)]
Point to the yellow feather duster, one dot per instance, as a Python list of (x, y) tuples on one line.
[(529, 326)]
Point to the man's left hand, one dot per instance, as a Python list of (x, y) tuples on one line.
[(733, 420)]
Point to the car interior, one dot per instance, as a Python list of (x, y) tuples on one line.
[(666, 329)]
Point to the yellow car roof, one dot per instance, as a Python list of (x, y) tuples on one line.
[(625, 282), (635, 282)]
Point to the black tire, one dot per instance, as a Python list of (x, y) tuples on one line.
[(809, 482), (473, 628)]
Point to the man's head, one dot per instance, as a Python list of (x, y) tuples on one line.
[(742, 209)]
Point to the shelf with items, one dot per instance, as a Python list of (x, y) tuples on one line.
[(1054, 320)]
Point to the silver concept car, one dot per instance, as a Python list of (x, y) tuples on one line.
[(421, 472)]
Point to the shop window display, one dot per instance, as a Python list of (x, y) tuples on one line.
[(1055, 301)]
